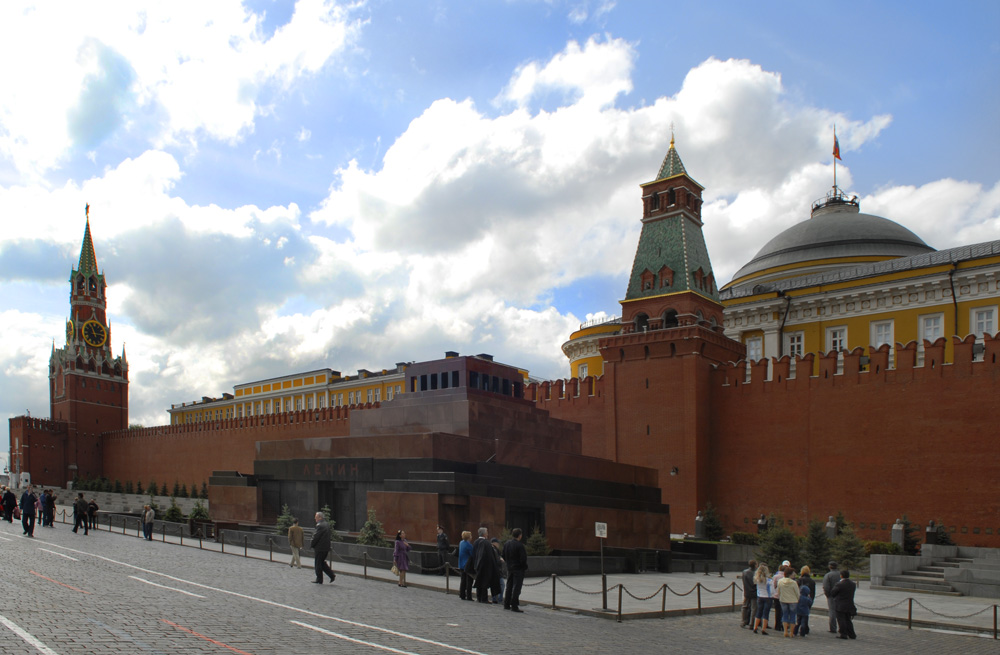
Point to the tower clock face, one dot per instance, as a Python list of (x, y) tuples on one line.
[(69, 331), (94, 333)]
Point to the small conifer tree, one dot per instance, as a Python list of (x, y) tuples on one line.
[(372, 533), (284, 520), (712, 524), (184, 491), (177, 489), (174, 513), (164, 491), (151, 488), (328, 515), (204, 490), (777, 545), (848, 549), (538, 544), (911, 540), (817, 546), (199, 513)]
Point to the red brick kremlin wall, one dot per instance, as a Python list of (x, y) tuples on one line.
[(874, 444), (189, 453)]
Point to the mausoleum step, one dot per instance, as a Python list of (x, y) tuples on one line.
[(918, 589), (910, 576), (921, 573), (932, 570), (959, 560), (947, 565)]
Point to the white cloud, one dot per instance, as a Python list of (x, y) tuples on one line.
[(172, 72)]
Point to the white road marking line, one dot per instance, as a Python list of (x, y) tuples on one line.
[(5, 539), (39, 646), (353, 640), (180, 591), (272, 603), (46, 550)]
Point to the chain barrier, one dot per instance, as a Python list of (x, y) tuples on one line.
[(535, 584), (952, 616), (581, 591), (641, 598), (679, 594), (878, 609), (725, 589)]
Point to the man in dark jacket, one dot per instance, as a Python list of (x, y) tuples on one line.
[(517, 563), (484, 557), (320, 545), (80, 514), (9, 503), (829, 580), (843, 600), (749, 595), (28, 500)]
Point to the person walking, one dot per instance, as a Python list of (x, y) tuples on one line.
[(43, 508), (749, 595), (49, 509), (400, 556), (80, 514), (802, 612), (788, 594), (443, 547), (517, 563), (28, 510), (148, 516), (464, 565), (92, 509), (320, 545), (843, 600), (295, 540), (762, 581), (829, 580), (501, 571)]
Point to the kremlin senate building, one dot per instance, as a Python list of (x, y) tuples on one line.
[(846, 341)]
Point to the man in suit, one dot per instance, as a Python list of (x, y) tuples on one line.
[(516, 557), (749, 594), (829, 580), (843, 600), (321, 548)]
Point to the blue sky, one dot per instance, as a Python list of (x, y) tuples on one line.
[(278, 186)]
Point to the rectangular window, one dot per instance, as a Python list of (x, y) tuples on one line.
[(582, 371), (369, 395), (755, 349), (240, 414), (350, 397), (836, 339), (388, 393), (794, 344), (309, 402), (931, 328), (984, 321), (378, 395), (322, 401), (882, 333)]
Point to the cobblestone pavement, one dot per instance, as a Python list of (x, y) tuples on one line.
[(107, 593)]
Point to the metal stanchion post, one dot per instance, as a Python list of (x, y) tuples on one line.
[(553, 591), (447, 578), (698, 585), (244, 545), (732, 588), (163, 532), (663, 603), (223, 536), (909, 614), (620, 587), (365, 558), (604, 592)]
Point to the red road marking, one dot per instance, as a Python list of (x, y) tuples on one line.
[(209, 639), (58, 583)]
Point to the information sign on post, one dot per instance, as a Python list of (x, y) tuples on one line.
[(601, 530)]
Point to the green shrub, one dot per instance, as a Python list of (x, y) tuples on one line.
[(204, 490), (816, 549), (138, 487), (882, 548), (745, 538), (778, 544), (128, 486), (184, 491), (119, 489), (847, 549)]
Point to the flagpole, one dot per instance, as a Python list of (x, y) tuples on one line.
[(835, 161)]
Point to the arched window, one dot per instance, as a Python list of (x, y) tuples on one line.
[(641, 323), (671, 197), (670, 318)]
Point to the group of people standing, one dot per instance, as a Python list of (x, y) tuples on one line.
[(792, 598), (496, 573)]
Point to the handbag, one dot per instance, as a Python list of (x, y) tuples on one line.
[(395, 571), (17, 513)]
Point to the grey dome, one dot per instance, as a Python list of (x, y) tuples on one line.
[(835, 230)]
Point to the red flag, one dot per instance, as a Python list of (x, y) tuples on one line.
[(836, 147)]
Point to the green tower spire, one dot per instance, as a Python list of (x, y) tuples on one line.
[(88, 258)]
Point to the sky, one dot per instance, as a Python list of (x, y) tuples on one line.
[(284, 186)]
